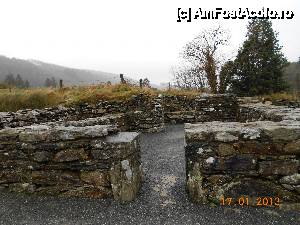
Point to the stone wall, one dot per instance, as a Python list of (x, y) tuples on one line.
[(74, 159), (139, 113), (80, 151), (266, 111), (202, 108), (256, 159)]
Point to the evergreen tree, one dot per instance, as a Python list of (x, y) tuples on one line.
[(47, 82), (225, 76), (258, 68), (26, 84), (53, 82), (10, 80), (19, 81)]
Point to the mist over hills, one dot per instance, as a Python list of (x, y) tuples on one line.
[(36, 72)]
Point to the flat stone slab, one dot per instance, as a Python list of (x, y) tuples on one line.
[(231, 131), (122, 137), (272, 111), (36, 133)]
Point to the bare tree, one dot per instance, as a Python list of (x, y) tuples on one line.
[(204, 57), (187, 77), (146, 82)]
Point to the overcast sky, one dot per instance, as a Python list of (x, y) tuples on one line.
[(137, 38)]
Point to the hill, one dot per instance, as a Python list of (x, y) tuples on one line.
[(36, 72)]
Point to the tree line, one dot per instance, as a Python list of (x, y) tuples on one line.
[(18, 82), (50, 82), (257, 69), (12, 81)]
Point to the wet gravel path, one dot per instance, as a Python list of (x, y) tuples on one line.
[(162, 199)]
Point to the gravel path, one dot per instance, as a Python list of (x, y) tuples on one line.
[(162, 199)]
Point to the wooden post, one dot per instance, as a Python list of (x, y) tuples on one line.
[(122, 79), (169, 86), (141, 83), (60, 84)]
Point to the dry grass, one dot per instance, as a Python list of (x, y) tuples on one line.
[(179, 92), (36, 98), (31, 98), (281, 96), (92, 94)]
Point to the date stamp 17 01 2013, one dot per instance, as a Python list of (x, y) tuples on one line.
[(262, 201)]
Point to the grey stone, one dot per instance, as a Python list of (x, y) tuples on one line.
[(70, 155), (225, 149), (42, 156), (225, 137), (291, 179), (97, 178)]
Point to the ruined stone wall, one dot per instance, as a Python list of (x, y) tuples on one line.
[(139, 113), (202, 108), (74, 159), (257, 160), (263, 111)]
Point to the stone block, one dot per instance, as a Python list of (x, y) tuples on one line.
[(278, 167), (97, 178), (42, 156), (70, 155), (291, 179)]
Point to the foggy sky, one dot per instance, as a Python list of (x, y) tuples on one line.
[(137, 38)]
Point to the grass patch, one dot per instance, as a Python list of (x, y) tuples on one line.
[(37, 98), (93, 94), (31, 98), (182, 92), (281, 96)]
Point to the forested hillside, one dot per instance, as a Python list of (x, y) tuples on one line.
[(37, 72)]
